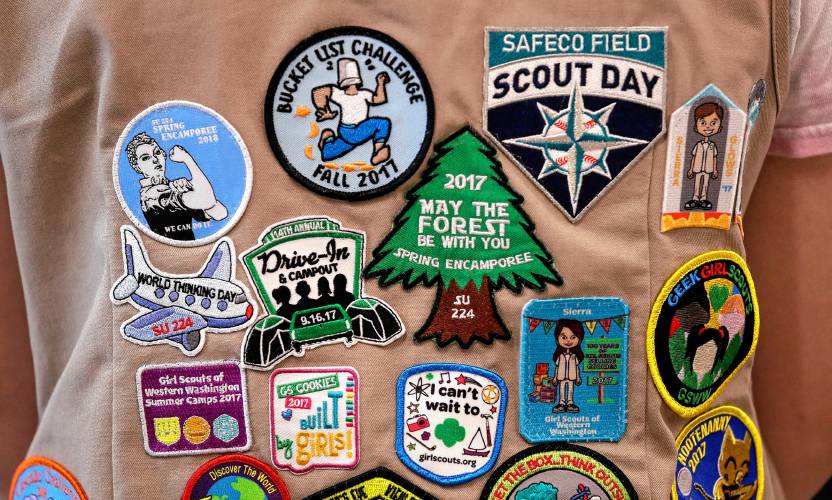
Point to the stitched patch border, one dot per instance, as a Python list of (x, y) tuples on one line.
[(260, 471), (335, 176), (204, 138), (730, 411), (382, 483), (515, 144), (652, 356), (707, 206), (178, 309), (603, 347), (464, 181), (16, 490), (543, 457), (302, 398), (417, 421), (344, 314), (222, 444)]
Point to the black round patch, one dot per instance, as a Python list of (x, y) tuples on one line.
[(558, 470), (349, 113)]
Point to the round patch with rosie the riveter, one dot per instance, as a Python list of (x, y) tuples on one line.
[(349, 113), (182, 173), (703, 327), (558, 470), (719, 455), (235, 477), (41, 477)]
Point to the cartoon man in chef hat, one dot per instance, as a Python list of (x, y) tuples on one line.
[(356, 126)]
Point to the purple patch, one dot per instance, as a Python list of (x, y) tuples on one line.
[(192, 408)]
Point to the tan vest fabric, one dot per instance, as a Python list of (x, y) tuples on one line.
[(73, 74)]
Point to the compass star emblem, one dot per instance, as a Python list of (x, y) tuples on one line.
[(575, 142)]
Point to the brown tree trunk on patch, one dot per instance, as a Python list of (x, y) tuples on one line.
[(464, 315)]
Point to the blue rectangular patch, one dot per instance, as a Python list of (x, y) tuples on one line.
[(573, 369)]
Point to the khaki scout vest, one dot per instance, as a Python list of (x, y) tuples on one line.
[(72, 77)]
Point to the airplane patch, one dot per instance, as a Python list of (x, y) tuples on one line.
[(193, 408), (574, 108), (307, 273), (182, 173), (178, 309)]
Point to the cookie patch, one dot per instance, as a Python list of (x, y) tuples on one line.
[(307, 273), (349, 113), (464, 231), (558, 470), (182, 173), (573, 369), (705, 146), (719, 455), (41, 477), (449, 420), (377, 484), (235, 477), (314, 418), (574, 108), (192, 408), (178, 309), (703, 327)]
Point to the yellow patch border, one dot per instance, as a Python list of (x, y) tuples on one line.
[(684, 411), (749, 424)]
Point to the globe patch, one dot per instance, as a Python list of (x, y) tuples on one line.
[(558, 470), (574, 109), (449, 420), (703, 327), (235, 477)]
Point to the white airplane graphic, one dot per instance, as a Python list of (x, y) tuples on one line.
[(176, 309)]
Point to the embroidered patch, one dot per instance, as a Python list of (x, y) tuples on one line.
[(703, 327), (192, 408), (755, 103), (573, 369), (41, 477), (182, 173), (377, 484), (464, 231), (705, 146), (308, 275), (349, 113), (720, 455), (558, 470), (574, 108), (449, 420), (235, 477), (177, 309), (314, 418)]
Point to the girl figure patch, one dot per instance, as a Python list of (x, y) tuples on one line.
[(573, 370), (182, 173), (705, 146)]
